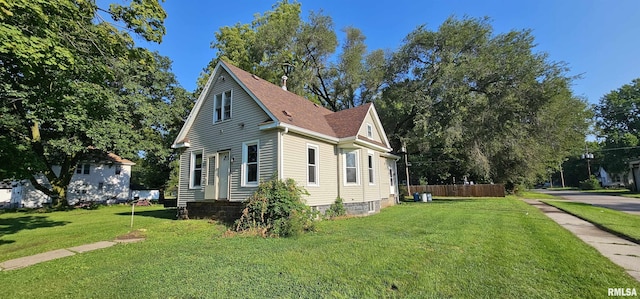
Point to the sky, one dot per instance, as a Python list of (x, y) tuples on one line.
[(599, 40)]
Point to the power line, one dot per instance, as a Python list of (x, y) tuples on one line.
[(616, 148)]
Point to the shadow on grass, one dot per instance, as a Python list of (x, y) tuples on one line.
[(10, 226), (442, 200), (162, 214)]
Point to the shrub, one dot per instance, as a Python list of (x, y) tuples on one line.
[(276, 209), (591, 183), (336, 209)]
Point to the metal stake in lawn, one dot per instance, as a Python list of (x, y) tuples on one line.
[(133, 206)]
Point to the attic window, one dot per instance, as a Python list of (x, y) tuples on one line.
[(287, 113), (222, 106)]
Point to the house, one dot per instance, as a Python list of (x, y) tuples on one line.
[(103, 177), (620, 180), (5, 193), (634, 167), (244, 130)]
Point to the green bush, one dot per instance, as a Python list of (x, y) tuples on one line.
[(591, 183), (276, 209), (336, 209)]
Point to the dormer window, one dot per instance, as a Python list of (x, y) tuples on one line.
[(222, 106)]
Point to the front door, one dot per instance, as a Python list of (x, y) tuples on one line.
[(223, 176), (210, 187)]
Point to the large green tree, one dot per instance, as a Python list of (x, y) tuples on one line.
[(471, 103), (337, 81), (67, 86), (618, 121), (162, 107)]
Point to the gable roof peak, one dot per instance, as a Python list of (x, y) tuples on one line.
[(284, 108)]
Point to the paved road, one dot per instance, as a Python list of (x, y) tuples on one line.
[(624, 204)]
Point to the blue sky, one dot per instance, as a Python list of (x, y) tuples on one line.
[(598, 39)]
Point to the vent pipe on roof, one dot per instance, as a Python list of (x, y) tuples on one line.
[(287, 68)]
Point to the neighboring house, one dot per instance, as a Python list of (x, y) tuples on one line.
[(103, 177), (5, 193), (634, 167), (607, 179), (244, 130)]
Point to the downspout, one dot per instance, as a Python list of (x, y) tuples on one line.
[(281, 151), (339, 169)]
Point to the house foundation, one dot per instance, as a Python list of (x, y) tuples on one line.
[(227, 211)]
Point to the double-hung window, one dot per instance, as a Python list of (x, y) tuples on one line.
[(312, 165), (83, 169), (351, 167), (222, 106), (250, 163), (195, 180), (369, 131)]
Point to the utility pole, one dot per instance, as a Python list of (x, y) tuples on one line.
[(588, 157), (562, 175), (406, 166)]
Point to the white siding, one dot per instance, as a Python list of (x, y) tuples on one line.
[(369, 119), (229, 135), (295, 167), (101, 184)]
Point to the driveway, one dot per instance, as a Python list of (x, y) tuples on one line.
[(624, 204)]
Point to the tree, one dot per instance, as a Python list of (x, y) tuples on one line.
[(472, 104), (280, 36), (67, 86), (618, 120), (153, 84)]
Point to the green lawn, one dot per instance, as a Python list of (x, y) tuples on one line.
[(620, 222), (536, 195), (23, 234), (480, 248)]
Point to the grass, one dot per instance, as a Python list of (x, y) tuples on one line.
[(487, 248), (23, 234), (536, 195), (620, 222), (563, 188), (634, 195)]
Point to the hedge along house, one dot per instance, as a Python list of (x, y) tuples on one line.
[(244, 130)]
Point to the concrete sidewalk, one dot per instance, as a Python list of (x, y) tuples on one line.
[(60, 253), (624, 253)]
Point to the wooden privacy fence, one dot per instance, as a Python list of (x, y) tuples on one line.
[(478, 190)]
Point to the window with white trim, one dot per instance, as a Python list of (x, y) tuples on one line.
[(83, 169), (250, 163), (369, 131), (222, 106), (372, 206), (195, 175), (312, 165), (351, 167), (370, 167)]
